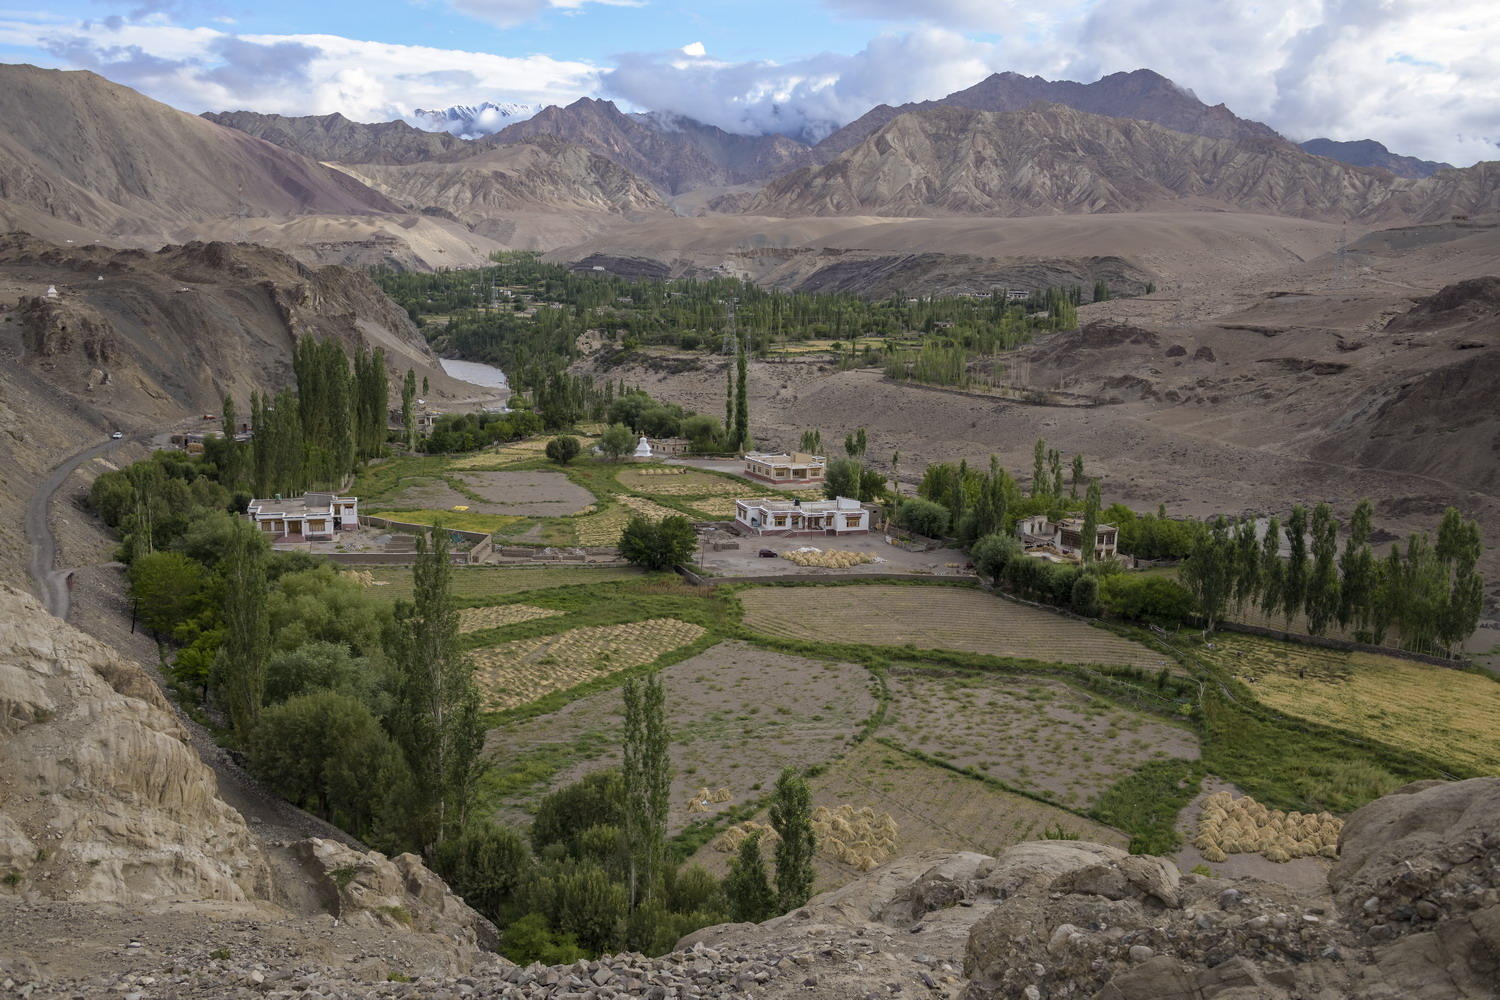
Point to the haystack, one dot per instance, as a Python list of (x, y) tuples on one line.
[(1228, 825)]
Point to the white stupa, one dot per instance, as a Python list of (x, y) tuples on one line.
[(51, 291), (643, 448)]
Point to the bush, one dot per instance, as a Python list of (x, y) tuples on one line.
[(616, 442), (923, 516), (532, 939), (1154, 600), (1085, 596), (597, 800), (488, 865), (563, 449), (168, 588), (992, 553), (658, 545)]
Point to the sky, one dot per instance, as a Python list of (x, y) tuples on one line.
[(1420, 76)]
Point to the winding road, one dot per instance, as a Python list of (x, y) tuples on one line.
[(52, 583)]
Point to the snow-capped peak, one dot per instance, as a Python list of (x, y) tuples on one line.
[(472, 121)]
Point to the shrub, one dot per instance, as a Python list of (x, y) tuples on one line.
[(1154, 600), (488, 865), (923, 516), (597, 800), (563, 449), (993, 553), (1085, 596), (616, 442), (657, 545)]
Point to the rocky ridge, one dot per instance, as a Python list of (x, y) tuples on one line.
[(334, 137)]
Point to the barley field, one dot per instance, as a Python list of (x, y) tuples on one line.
[(521, 671), (956, 618), (474, 619), (1448, 715), (495, 581)]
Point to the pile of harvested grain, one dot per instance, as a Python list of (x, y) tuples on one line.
[(363, 577), (826, 559), (703, 798), (660, 472), (730, 840), (1230, 825), (860, 838)]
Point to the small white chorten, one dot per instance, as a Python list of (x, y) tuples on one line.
[(643, 448)]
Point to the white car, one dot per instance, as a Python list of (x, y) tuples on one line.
[(117, 435)]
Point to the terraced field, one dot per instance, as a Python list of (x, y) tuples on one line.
[(521, 671), (496, 581), (957, 618), (934, 809), (737, 715), (1041, 736), (675, 481), (1448, 715), (475, 619)]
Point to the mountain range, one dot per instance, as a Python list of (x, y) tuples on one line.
[(471, 121), (1369, 153)]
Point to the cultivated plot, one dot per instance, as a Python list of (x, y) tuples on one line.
[(737, 715), (934, 810), (521, 671), (497, 581), (1448, 715), (957, 618), (1042, 736), (677, 481), (475, 619)]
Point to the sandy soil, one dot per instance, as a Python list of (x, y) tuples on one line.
[(738, 715), (529, 494), (1039, 735)]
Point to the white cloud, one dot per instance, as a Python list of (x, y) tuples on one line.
[(1419, 76), (804, 97), (506, 13), (694, 49), (203, 69)]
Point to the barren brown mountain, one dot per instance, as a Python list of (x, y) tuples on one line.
[(1050, 158), (1369, 153), (334, 137), (1142, 94), (85, 157), (676, 154)]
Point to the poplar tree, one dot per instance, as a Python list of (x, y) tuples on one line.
[(791, 818), (741, 400), (1272, 570), (729, 426), (1247, 567), (1209, 572), (1322, 601), (408, 415), (1039, 477), (647, 778), (1090, 522), (247, 635), (1077, 476), (1357, 569), (1054, 463), (747, 887), (435, 720), (1294, 579)]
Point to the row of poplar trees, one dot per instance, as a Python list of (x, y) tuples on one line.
[(316, 435), (1427, 592)]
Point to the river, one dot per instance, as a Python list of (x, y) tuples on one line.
[(475, 373)]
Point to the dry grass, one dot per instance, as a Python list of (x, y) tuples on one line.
[(1230, 825), (956, 618), (495, 581), (827, 558), (1444, 714), (714, 507), (474, 619), (679, 482), (859, 837), (515, 453), (514, 673)]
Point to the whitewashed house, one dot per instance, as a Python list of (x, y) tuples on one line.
[(763, 516), (1063, 540), (312, 515), (783, 469)]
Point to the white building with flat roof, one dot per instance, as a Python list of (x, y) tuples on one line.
[(798, 467), (312, 515), (1063, 540), (765, 516)]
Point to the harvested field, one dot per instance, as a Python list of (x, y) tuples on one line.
[(646, 508), (1043, 736), (676, 481), (496, 581), (737, 715), (714, 507), (455, 520), (515, 453), (933, 809), (514, 673), (533, 493), (1448, 715), (475, 619), (958, 618), (606, 526)]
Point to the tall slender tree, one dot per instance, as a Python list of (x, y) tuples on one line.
[(791, 818), (741, 399), (435, 720), (1040, 481), (1322, 602), (647, 775), (408, 414), (1294, 579), (1357, 570), (1090, 523), (1077, 476), (1209, 572), (247, 635), (1272, 569)]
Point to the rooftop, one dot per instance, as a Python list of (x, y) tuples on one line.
[(307, 503), (809, 506), (782, 458)]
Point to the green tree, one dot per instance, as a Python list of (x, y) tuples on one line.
[(1041, 482), (791, 818), (923, 517), (563, 449), (1294, 577), (993, 552), (1357, 569), (1077, 476), (1322, 601), (324, 751), (658, 545), (436, 716), (1246, 563), (1085, 596), (747, 886), (488, 865), (741, 400), (167, 588), (247, 638), (811, 442), (1208, 573), (1272, 569), (616, 442), (842, 478), (1090, 529), (408, 414), (856, 444), (729, 424), (647, 779)]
